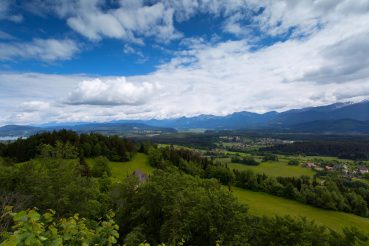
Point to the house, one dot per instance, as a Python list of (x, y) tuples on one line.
[(328, 168), (363, 170), (341, 168), (140, 175), (310, 165)]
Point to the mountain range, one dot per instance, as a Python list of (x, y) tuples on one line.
[(334, 118)]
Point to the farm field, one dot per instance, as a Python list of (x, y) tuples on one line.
[(275, 168), (264, 204)]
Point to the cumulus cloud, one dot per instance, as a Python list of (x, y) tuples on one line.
[(42, 49), (112, 92)]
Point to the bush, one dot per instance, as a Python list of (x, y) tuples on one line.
[(270, 157), (32, 228), (101, 166), (246, 160), (293, 163)]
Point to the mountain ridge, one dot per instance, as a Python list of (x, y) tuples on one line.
[(338, 117)]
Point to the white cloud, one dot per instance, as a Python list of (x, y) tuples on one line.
[(42, 49), (4, 35), (324, 61), (5, 12), (112, 92), (135, 20), (33, 106), (131, 21)]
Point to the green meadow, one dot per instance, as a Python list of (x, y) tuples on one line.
[(138, 162), (264, 204), (275, 168), (123, 169), (365, 181)]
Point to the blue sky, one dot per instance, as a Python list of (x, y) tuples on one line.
[(102, 60), (111, 56)]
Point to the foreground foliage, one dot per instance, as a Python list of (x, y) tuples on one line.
[(58, 184), (32, 228)]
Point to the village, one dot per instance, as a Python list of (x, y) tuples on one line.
[(352, 171)]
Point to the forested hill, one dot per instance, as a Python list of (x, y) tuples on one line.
[(64, 142)]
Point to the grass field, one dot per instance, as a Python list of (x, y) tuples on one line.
[(123, 169), (264, 204), (273, 168), (365, 181), (139, 162)]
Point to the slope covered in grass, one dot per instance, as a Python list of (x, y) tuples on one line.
[(139, 162), (264, 204), (123, 169)]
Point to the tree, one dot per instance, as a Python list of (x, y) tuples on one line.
[(83, 166), (270, 157), (245, 160), (221, 173), (101, 166), (155, 157), (171, 208), (87, 149), (293, 162), (97, 151), (55, 184), (60, 150)]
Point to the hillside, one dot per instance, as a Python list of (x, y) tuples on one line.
[(120, 170), (260, 203), (268, 205)]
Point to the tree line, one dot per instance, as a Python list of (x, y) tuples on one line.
[(92, 145), (332, 193), (344, 150)]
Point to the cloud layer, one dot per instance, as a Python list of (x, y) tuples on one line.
[(322, 57)]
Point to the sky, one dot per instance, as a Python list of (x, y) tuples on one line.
[(104, 60)]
